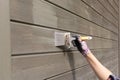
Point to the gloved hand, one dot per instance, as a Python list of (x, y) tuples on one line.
[(81, 46)]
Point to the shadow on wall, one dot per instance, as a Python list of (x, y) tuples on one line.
[(72, 63)]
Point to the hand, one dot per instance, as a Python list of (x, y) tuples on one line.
[(82, 46)]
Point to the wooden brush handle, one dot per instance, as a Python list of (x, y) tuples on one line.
[(83, 38)]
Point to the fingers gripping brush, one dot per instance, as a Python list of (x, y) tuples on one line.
[(81, 45), (77, 44), (80, 38)]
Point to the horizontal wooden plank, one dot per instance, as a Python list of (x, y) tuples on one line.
[(101, 10), (114, 68), (38, 37), (42, 66), (109, 10), (34, 39), (84, 73), (114, 5), (108, 6), (117, 2), (83, 10), (101, 54), (104, 23), (49, 15)]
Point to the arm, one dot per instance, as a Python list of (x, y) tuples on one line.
[(102, 72)]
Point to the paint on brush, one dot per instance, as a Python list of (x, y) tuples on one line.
[(65, 39)]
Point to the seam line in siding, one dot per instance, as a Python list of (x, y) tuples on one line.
[(73, 69), (37, 25), (78, 15), (107, 9), (98, 13), (115, 3), (53, 52), (66, 72), (112, 7)]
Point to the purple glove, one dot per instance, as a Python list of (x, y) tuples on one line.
[(82, 46)]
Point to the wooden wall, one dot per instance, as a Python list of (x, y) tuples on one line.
[(33, 23)]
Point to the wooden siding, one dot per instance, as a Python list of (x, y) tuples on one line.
[(33, 23)]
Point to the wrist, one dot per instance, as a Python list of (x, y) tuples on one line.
[(86, 52)]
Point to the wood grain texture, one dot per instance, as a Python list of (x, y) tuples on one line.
[(102, 11), (109, 7), (33, 39), (43, 66), (83, 10), (117, 2), (109, 10), (84, 73), (33, 23), (113, 4), (43, 13)]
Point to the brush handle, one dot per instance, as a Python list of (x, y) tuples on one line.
[(84, 38)]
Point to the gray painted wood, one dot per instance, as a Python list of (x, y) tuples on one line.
[(43, 66), (84, 73), (33, 23), (85, 11), (113, 4), (109, 10), (33, 39), (117, 2), (109, 7), (101, 10), (43, 13), (5, 49)]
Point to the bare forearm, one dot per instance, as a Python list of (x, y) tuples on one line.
[(101, 71)]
